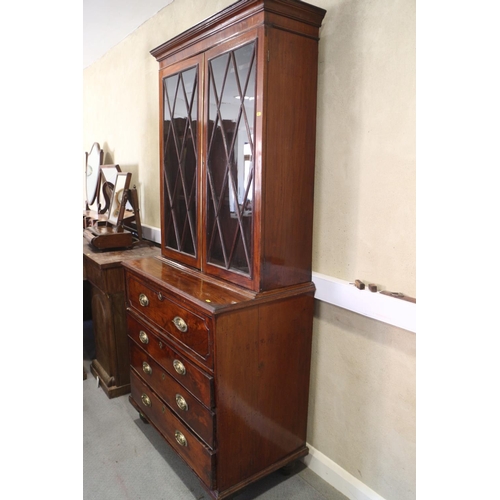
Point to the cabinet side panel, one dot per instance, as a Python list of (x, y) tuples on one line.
[(288, 168), (118, 311), (262, 384), (103, 332)]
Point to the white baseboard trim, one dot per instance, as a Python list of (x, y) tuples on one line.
[(151, 233), (339, 478), (341, 293)]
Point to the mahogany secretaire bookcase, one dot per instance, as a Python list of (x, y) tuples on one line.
[(220, 323)]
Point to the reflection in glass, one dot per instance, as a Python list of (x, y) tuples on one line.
[(230, 153), (180, 115)]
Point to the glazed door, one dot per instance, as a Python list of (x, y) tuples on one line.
[(231, 95), (180, 161)]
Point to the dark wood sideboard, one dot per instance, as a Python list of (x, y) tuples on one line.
[(104, 272)]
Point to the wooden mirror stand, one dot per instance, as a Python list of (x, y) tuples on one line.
[(111, 217)]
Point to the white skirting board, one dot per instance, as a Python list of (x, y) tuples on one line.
[(151, 233), (339, 478), (390, 310)]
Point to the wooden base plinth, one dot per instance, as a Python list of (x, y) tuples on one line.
[(106, 382)]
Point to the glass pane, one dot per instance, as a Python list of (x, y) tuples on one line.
[(180, 123), (230, 153)]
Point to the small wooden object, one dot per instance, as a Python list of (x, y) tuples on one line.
[(399, 295), (359, 284)]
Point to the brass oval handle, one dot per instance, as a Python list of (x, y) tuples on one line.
[(180, 324), (143, 300), (180, 438), (181, 402), (145, 400), (143, 337), (179, 367), (146, 368)]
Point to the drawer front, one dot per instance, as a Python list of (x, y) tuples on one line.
[(186, 373), (182, 440), (180, 401), (185, 326)]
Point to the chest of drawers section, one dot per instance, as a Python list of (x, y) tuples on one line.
[(171, 381), (223, 375), (183, 388)]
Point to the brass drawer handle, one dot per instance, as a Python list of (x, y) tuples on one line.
[(143, 300), (179, 437), (180, 324), (145, 400), (146, 368), (143, 337), (181, 402), (179, 367)]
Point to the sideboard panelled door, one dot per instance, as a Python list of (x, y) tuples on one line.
[(180, 137)]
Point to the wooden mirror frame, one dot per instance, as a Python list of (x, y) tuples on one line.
[(107, 185), (119, 198), (92, 172)]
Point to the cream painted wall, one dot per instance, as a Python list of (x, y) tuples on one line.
[(120, 96), (362, 401), (364, 223)]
